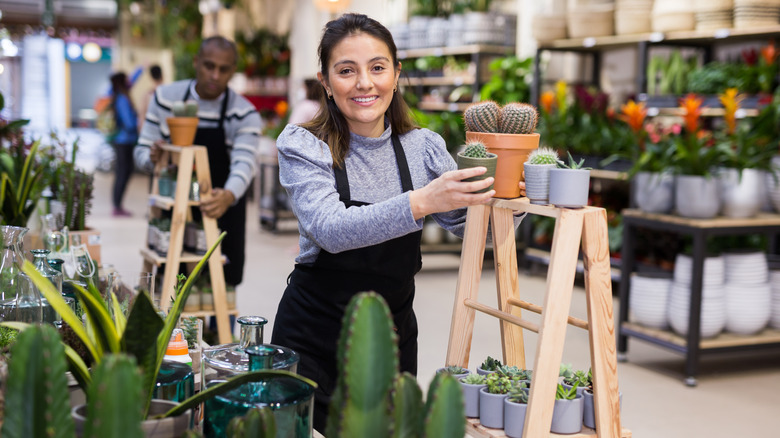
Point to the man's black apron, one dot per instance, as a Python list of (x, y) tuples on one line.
[(234, 219), (309, 316)]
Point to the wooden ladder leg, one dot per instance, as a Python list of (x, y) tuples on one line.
[(216, 270), (505, 260), (471, 256), (603, 353), (178, 222), (552, 331)]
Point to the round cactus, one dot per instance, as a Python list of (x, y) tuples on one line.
[(543, 155), (517, 118), (475, 150), (482, 117)]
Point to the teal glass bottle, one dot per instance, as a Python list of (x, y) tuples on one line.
[(41, 262), (175, 382)]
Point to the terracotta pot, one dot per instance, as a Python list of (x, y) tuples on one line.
[(182, 130), (512, 151)]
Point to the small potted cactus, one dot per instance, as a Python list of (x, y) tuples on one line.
[(184, 122), (537, 174), (570, 184), (508, 132), (476, 154), (515, 406), (471, 384)]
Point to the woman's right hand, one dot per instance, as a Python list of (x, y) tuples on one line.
[(156, 150), (449, 192)]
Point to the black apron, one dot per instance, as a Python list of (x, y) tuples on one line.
[(309, 316), (234, 219)]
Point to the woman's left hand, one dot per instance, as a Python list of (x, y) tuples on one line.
[(449, 192)]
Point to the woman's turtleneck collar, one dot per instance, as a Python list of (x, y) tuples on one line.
[(372, 142)]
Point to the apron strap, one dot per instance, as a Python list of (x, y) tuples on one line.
[(342, 182), (223, 111)]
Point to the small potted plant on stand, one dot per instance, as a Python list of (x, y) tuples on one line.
[(515, 406), (471, 385), (491, 400), (184, 122), (475, 155), (489, 365), (570, 184), (455, 371), (567, 413), (537, 174)]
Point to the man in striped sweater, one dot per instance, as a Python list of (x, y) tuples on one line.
[(229, 126)]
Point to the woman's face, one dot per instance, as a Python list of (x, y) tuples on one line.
[(361, 79)]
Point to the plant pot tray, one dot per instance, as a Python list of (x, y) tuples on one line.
[(474, 429)]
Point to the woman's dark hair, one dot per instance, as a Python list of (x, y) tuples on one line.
[(119, 86), (330, 125)]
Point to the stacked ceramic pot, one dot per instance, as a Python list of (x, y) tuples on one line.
[(713, 296), (714, 14), (774, 282), (671, 15), (756, 13), (591, 19), (748, 293), (633, 16), (650, 300)]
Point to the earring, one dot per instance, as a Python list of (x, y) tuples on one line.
[(330, 96), (395, 88)]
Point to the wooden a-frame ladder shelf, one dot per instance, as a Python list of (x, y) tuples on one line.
[(587, 226), (185, 158)]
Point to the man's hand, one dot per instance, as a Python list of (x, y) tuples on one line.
[(156, 150), (217, 203)]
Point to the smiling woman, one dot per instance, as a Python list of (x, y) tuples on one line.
[(361, 177)]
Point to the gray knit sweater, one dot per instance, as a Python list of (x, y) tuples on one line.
[(305, 169)]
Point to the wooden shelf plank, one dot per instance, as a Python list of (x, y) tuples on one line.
[(608, 174), (166, 202), (724, 340), (762, 219), (474, 429), (441, 80), (186, 257), (483, 49), (443, 106), (204, 313)]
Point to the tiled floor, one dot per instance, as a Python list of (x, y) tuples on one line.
[(738, 396)]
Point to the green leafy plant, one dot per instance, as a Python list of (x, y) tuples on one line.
[(490, 364), (510, 79), (563, 393), (189, 326), (518, 393), (543, 155), (473, 379), (21, 177)]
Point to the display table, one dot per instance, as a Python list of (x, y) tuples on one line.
[(699, 229)]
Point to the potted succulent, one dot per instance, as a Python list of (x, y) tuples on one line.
[(508, 132), (515, 406), (455, 371), (567, 411), (578, 377), (570, 184), (184, 122), (488, 366), (537, 174), (163, 237), (192, 326), (491, 400), (166, 183), (471, 384), (475, 155)]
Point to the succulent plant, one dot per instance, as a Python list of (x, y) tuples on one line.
[(455, 369), (566, 371), (482, 116), (573, 164), (498, 383), (185, 109), (473, 379), (476, 150), (579, 377), (490, 364), (543, 155), (562, 393), (517, 118), (189, 325), (371, 399), (517, 393), (514, 373), (257, 423)]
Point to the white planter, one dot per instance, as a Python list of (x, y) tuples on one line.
[(569, 187), (741, 197), (654, 192), (697, 196)]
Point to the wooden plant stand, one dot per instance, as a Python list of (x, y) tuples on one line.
[(185, 158), (587, 225)]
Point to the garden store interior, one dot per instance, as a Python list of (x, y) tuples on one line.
[(646, 93)]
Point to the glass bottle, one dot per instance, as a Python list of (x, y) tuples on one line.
[(19, 298), (54, 239), (291, 400), (41, 262)]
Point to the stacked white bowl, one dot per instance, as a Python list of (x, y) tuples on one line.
[(633, 16), (748, 293), (756, 13), (671, 15), (774, 283), (713, 300), (649, 300), (714, 14)]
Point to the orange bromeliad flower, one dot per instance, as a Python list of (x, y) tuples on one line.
[(634, 114), (730, 101), (769, 53), (281, 108), (546, 101), (691, 104)]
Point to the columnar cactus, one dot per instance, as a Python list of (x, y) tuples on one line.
[(114, 397), (475, 150), (517, 118), (371, 399), (185, 109), (482, 117), (543, 155)]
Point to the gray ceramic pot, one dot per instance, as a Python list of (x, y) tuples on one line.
[(697, 196), (741, 197), (456, 376), (471, 398), (514, 418), (489, 163), (537, 182), (567, 416), (491, 409), (589, 411), (482, 372), (569, 187), (654, 192)]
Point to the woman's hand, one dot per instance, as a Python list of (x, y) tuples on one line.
[(449, 192), (522, 188)]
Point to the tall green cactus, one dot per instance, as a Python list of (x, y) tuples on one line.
[(37, 403), (367, 402), (114, 407), (517, 118), (482, 117), (257, 423)]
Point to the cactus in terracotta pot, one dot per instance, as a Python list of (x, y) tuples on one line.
[(517, 118), (482, 117)]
